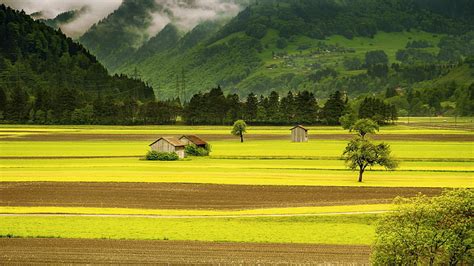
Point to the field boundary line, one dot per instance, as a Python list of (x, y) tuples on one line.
[(231, 158), (337, 158), (185, 216), (65, 157)]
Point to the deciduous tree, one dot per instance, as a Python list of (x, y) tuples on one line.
[(361, 153), (239, 129), (428, 231), (364, 127)]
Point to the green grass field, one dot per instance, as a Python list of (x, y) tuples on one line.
[(321, 149), (234, 171), (341, 229)]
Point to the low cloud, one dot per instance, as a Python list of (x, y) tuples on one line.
[(186, 14), (96, 10)]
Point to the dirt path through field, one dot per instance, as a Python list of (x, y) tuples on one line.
[(192, 196), (93, 251)]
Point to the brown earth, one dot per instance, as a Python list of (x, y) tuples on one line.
[(216, 137), (93, 251), (192, 196)]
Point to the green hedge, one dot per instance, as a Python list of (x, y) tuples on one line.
[(161, 156), (194, 150)]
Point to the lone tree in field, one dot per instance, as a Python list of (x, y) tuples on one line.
[(361, 153), (428, 231), (361, 126), (239, 128)]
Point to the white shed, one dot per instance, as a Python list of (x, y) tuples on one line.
[(299, 134), (169, 144)]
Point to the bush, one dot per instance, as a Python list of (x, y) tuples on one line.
[(161, 156), (194, 150), (427, 231)]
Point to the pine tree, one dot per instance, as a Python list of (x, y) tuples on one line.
[(17, 107), (333, 109), (251, 107)]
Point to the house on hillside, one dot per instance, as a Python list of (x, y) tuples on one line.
[(192, 139), (299, 134), (169, 144)]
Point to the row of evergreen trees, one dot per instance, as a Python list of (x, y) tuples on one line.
[(69, 106), (210, 108), (302, 107)]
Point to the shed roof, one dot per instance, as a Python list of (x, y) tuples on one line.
[(300, 126), (194, 139), (171, 140)]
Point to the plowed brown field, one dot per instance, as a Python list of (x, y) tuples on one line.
[(45, 251), (192, 196)]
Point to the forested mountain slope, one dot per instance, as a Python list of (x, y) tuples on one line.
[(358, 46), (136, 22), (48, 78)]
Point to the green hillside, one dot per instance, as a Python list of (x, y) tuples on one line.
[(134, 25), (120, 33), (319, 46), (48, 78)]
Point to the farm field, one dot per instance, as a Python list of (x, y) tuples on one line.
[(340, 229), (235, 172), (56, 250), (193, 196), (85, 183), (329, 149)]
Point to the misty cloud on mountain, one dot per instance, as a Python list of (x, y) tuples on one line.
[(49, 9), (186, 14)]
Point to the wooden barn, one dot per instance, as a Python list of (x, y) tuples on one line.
[(299, 134), (169, 144), (192, 139)]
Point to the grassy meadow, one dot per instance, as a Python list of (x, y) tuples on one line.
[(235, 171), (341, 229), (68, 154)]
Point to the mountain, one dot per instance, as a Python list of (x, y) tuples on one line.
[(62, 18), (136, 22), (357, 46), (46, 77), (121, 32)]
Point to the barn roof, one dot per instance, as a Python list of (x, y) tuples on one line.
[(171, 140), (194, 139), (300, 126)]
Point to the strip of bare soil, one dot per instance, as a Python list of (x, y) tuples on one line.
[(192, 196), (47, 251)]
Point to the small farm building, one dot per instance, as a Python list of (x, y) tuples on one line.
[(299, 134), (192, 139), (169, 144)]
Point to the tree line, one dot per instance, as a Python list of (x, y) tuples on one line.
[(210, 108), (302, 107)]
